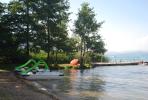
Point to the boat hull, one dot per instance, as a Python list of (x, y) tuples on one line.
[(44, 75)]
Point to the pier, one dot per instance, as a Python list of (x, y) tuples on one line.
[(118, 63)]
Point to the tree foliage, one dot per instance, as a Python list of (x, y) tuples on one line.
[(86, 26), (7, 41), (41, 25), (34, 24)]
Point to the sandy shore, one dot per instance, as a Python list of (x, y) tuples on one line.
[(12, 88)]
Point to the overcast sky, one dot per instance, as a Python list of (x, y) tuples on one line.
[(126, 22)]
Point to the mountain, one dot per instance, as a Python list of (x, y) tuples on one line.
[(128, 56), (135, 53)]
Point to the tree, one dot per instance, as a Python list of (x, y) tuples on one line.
[(96, 44), (18, 18), (26, 2), (52, 16), (1, 8), (8, 43), (86, 26), (18, 13)]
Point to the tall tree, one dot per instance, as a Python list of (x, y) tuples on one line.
[(19, 19), (52, 16), (8, 43), (18, 11), (27, 24), (86, 26)]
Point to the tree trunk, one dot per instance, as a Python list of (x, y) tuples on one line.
[(48, 57), (48, 41), (84, 52), (81, 54), (27, 34), (56, 62)]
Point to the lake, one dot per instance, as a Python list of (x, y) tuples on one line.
[(102, 83)]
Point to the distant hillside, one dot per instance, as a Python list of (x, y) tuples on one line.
[(128, 56)]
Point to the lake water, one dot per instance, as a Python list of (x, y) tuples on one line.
[(102, 83)]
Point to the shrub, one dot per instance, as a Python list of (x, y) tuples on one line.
[(95, 57), (58, 58)]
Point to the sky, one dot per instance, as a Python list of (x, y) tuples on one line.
[(125, 28)]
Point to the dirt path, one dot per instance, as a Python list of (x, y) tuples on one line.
[(12, 88)]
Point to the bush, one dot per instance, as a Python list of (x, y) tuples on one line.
[(58, 58), (95, 57), (62, 58), (92, 57), (14, 59), (38, 56), (87, 57)]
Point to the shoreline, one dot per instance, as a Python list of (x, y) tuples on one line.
[(13, 88)]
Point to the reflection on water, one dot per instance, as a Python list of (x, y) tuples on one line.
[(103, 83)]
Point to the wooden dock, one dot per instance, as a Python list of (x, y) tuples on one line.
[(117, 64)]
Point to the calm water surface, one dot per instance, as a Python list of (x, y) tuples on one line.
[(102, 83)]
